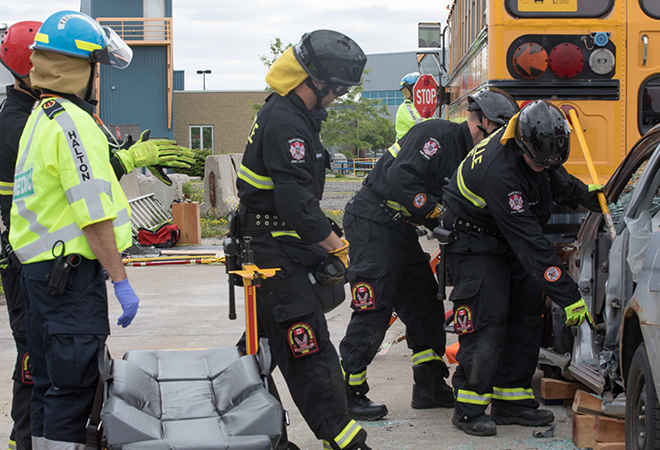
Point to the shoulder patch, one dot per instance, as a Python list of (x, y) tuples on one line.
[(516, 202), (429, 149), (297, 150), (52, 107)]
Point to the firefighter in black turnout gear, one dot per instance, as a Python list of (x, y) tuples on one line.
[(393, 272), (497, 201), (280, 184)]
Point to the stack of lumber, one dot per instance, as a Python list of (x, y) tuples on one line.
[(591, 427)]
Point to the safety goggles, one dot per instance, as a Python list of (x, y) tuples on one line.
[(339, 90)]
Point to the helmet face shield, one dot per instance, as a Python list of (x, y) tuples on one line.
[(116, 52)]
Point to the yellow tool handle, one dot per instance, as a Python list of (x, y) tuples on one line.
[(577, 127)]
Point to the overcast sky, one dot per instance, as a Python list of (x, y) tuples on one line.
[(229, 36)]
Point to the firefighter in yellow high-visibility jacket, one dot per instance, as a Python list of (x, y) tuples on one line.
[(68, 209), (407, 115)]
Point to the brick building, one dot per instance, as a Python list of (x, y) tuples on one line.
[(215, 120)]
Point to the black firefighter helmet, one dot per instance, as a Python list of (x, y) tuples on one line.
[(542, 132), (330, 57), (495, 104)]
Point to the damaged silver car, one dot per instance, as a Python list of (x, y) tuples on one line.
[(620, 281)]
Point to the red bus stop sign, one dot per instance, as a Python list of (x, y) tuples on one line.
[(425, 95)]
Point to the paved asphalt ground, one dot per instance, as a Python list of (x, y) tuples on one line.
[(185, 307)]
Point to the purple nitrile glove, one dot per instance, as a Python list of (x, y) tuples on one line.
[(129, 302)]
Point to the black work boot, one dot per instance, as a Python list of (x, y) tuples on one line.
[(429, 387), (360, 407), (480, 425), (503, 414)]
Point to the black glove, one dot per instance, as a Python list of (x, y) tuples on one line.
[(331, 271), (590, 201)]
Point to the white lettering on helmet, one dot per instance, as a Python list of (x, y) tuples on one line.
[(62, 23)]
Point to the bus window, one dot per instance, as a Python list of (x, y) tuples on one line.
[(649, 104), (562, 8), (651, 8)]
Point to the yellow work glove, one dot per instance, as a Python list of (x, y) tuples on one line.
[(333, 268), (435, 212), (342, 252), (577, 313), (155, 155)]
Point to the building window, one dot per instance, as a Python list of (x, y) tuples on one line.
[(201, 136), (390, 98)]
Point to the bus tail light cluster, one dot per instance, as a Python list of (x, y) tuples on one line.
[(566, 56), (566, 60)]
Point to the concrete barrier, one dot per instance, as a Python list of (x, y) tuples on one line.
[(165, 194), (220, 184), (129, 184)]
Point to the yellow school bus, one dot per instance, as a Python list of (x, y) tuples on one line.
[(601, 57)]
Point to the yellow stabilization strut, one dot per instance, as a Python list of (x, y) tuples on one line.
[(577, 127)]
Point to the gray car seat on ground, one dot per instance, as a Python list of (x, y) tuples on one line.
[(211, 399)]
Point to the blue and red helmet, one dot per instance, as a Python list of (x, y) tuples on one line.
[(76, 34)]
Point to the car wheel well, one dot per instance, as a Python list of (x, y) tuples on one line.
[(631, 339)]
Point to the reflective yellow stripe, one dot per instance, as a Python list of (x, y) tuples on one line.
[(473, 398), (6, 188), (326, 445), (357, 379), (258, 181), (397, 207), (467, 193), (40, 37), (394, 150), (512, 394), (284, 233), (12, 445), (347, 434), (89, 46), (425, 356)]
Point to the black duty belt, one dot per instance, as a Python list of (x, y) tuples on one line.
[(261, 222), (461, 224), (448, 220), (375, 198)]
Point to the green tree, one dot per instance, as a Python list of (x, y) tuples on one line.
[(358, 125)]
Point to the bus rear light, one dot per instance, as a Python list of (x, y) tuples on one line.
[(530, 60), (602, 61), (566, 60)]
